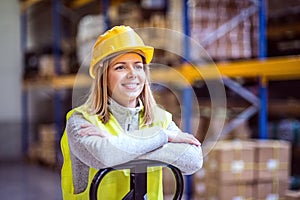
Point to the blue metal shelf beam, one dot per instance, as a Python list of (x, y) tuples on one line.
[(104, 10), (57, 53)]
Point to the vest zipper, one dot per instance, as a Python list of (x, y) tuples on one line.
[(128, 127)]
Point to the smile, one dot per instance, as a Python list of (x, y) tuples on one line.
[(131, 85)]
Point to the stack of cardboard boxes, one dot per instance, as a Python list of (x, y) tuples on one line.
[(272, 168), (244, 170), (227, 172), (47, 142), (44, 149), (228, 29)]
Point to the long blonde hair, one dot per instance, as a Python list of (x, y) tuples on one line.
[(97, 101)]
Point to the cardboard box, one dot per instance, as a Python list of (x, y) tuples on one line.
[(47, 144), (47, 66), (272, 160), (219, 192), (270, 190), (230, 162)]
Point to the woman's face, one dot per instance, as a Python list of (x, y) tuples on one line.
[(126, 79)]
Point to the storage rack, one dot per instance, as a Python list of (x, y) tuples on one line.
[(58, 82), (267, 69), (187, 94)]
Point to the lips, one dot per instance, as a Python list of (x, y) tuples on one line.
[(130, 85)]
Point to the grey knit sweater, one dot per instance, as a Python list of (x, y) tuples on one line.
[(150, 143)]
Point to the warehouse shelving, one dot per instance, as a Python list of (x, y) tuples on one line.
[(279, 68), (271, 69), (58, 82), (266, 69)]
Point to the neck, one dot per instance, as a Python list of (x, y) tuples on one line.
[(132, 104), (128, 118), (128, 104), (118, 109)]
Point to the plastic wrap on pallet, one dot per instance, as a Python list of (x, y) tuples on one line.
[(286, 129)]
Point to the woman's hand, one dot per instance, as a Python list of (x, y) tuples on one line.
[(181, 137), (90, 129)]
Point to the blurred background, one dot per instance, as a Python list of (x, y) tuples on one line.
[(255, 45)]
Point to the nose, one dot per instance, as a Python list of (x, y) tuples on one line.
[(131, 72)]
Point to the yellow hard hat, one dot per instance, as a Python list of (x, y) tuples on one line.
[(118, 39)]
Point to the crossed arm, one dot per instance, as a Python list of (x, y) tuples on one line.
[(99, 149)]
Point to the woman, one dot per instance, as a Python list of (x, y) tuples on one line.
[(120, 122)]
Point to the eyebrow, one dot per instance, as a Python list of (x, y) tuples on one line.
[(137, 62)]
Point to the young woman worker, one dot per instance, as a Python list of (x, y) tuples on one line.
[(120, 122)]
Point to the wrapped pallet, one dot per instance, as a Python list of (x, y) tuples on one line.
[(89, 28)]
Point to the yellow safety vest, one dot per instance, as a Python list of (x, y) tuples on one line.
[(116, 184)]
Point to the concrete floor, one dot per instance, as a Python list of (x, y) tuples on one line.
[(24, 181)]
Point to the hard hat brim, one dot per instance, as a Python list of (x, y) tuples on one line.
[(148, 52)]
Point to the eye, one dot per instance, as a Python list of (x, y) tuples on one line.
[(119, 67), (139, 66)]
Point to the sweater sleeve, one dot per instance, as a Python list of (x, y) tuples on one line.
[(186, 157), (99, 152)]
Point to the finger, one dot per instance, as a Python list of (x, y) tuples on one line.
[(197, 143), (86, 131), (93, 131), (86, 126), (90, 133), (193, 140)]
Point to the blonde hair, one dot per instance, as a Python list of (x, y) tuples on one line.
[(97, 101)]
